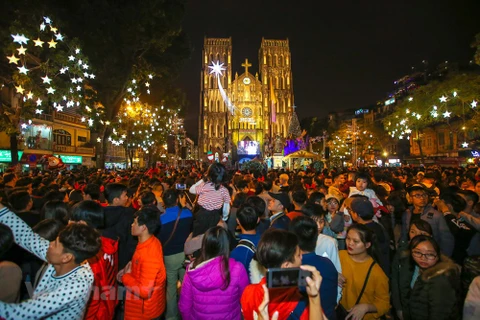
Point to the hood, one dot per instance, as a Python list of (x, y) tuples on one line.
[(109, 246), (445, 266), (208, 275)]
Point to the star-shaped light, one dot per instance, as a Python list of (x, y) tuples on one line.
[(12, 59), (19, 38), (407, 111), (443, 99), (474, 104), (52, 44), (30, 95), (24, 126), (59, 108), (418, 117), (79, 88), (99, 139), (38, 111), (47, 20), (92, 76), (77, 51), (71, 58), (147, 84), (53, 29), (150, 76), (83, 119), (90, 122), (38, 42), (59, 37), (85, 66), (434, 114), (21, 50), (20, 89), (410, 99), (22, 70), (46, 79), (465, 145), (217, 68), (50, 90), (39, 102), (455, 93), (86, 75), (42, 27), (446, 114), (74, 80)]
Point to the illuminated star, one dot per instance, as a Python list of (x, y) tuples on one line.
[(50, 90), (150, 76), (465, 145), (407, 111), (24, 126), (46, 79), (410, 99), (74, 80), (99, 139), (454, 93), (12, 59), (217, 68), (59, 108), (53, 29), (38, 111), (85, 74), (474, 104), (42, 27), (20, 38), (443, 99), (92, 76), (434, 114), (47, 20), (79, 88), (22, 69), (77, 51), (85, 66), (21, 50), (20, 89), (435, 107), (30, 95), (52, 44), (71, 58), (59, 37), (38, 42), (90, 122), (39, 102), (147, 84), (62, 71), (446, 114), (83, 119)]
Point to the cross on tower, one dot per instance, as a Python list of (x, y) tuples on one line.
[(246, 65)]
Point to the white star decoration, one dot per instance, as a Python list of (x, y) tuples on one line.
[(42, 27), (46, 79), (50, 90), (22, 69), (47, 20), (443, 99), (38, 42), (446, 114), (410, 99), (217, 68), (24, 126), (474, 104), (39, 102), (20, 38), (59, 37), (465, 145), (71, 58), (38, 111)]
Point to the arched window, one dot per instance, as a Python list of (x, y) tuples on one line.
[(269, 60), (62, 137), (218, 105), (280, 63), (275, 61)]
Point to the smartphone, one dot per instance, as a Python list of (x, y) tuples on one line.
[(181, 186), (289, 277)]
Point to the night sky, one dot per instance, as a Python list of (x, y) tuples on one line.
[(345, 54)]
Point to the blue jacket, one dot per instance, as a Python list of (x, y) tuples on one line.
[(280, 222), (184, 227), (329, 286), (243, 254)]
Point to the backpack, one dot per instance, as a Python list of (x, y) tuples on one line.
[(247, 244)]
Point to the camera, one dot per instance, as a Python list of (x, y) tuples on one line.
[(288, 277), (181, 186)]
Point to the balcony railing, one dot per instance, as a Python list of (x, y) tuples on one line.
[(68, 118), (72, 149)]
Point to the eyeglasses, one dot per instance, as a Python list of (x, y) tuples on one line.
[(420, 195), (428, 256)]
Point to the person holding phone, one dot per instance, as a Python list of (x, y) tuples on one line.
[(365, 292), (279, 249)]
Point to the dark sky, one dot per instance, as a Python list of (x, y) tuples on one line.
[(345, 54)]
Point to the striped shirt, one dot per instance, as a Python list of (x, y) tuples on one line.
[(211, 199)]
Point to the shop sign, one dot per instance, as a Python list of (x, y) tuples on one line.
[(70, 159), (6, 155)]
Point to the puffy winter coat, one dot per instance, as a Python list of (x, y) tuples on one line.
[(103, 299), (145, 283), (202, 296), (435, 294)]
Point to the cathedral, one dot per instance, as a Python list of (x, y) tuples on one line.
[(258, 124)]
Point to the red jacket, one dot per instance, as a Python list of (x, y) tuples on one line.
[(282, 300), (103, 299), (145, 283)]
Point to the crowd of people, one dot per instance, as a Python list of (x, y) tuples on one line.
[(199, 243)]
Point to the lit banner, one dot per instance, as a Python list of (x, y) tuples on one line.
[(70, 159), (6, 155)]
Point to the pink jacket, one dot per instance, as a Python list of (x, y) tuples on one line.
[(201, 296)]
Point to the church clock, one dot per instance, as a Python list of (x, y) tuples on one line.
[(246, 80), (247, 112)]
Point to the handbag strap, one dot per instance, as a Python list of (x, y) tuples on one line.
[(298, 311), (174, 227), (365, 283)]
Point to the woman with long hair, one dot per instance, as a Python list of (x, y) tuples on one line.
[(213, 283), (361, 270), (213, 199), (429, 285)]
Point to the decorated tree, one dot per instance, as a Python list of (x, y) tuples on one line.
[(42, 70), (294, 129)]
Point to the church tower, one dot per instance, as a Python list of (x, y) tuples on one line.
[(276, 76), (213, 117)]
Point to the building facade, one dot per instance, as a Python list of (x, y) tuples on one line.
[(263, 101)]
